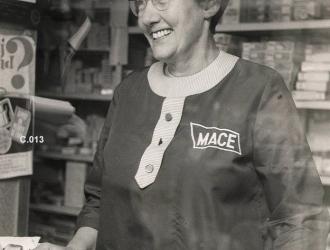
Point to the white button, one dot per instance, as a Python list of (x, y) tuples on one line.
[(149, 168)]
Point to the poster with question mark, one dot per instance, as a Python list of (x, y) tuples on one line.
[(17, 63), (17, 76)]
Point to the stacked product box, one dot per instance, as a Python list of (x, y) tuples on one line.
[(313, 81), (85, 79), (279, 11), (322, 162), (94, 127), (254, 51), (249, 11), (232, 13), (318, 137), (325, 9), (306, 9), (253, 11), (228, 43), (104, 84), (284, 56), (279, 55), (98, 37)]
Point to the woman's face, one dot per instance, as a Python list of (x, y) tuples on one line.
[(174, 34)]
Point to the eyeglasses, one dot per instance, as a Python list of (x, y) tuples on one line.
[(138, 6)]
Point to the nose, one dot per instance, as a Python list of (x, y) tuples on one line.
[(149, 15)]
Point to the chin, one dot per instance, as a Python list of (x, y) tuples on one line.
[(161, 55)]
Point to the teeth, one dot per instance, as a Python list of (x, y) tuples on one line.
[(161, 33)]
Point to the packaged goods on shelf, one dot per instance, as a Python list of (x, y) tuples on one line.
[(325, 9), (322, 163), (307, 95), (317, 48), (279, 11), (283, 56), (84, 87), (105, 74), (75, 175), (98, 37), (228, 43), (84, 79), (315, 66), (254, 51), (306, 9), (318, 133), (69, 150), (232, 12), (94, 128), (313, 86), (253, 10), (71, 77), (318, 57), (317, 53), (314, 76)]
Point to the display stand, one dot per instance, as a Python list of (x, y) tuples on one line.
[(18, 43)]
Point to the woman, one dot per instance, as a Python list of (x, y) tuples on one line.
[(202, 150)]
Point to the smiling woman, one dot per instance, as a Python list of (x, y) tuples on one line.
[(201, 150)]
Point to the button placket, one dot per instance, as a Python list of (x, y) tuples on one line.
[(164, 131)]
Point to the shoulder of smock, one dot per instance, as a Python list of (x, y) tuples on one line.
[(132, 81), (257, 75)]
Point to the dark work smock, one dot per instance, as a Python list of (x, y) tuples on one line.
[(235, 174)]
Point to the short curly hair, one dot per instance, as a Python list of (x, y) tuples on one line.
[(215, 19)]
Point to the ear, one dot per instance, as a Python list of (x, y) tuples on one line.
[(211, 7)]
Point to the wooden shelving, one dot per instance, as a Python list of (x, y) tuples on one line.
[(72, 211), (265, 27), (90, 97), (275, 26), (67, 157)]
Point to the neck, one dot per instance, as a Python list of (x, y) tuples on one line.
[(195, 62)]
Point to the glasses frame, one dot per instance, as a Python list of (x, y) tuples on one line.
[(155, 3)]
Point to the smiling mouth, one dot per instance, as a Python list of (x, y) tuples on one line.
[(161, 33)]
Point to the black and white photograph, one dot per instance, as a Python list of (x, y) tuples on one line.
[(164, 124)]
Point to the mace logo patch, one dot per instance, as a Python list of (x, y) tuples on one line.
[(212, 137)]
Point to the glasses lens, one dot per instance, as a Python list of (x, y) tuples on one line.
[(161, 4)]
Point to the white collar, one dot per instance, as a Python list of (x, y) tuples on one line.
[(169, 86)]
